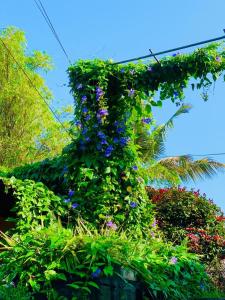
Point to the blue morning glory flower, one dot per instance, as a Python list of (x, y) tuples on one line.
[(96, 274), (75, 205), (133, 204), (79, 86), (124, 141), (84, 99), (87, 118), (84, 131), (99, 93), (131, 93), (108, 151), (135, 168), (84, 110), (176, 94), (146, 120), (67, 200), (116, 140), (101, 135), (71, 193), (103, 112)]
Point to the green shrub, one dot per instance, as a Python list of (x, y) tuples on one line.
[(181, 213), (11, 292), (30, 204), (45, 259)]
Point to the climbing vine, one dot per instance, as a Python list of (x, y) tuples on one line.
[(111, 102)]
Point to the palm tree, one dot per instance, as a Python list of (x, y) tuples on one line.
[(176, 169)]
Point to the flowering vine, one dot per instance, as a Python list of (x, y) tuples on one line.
[(110, 102)]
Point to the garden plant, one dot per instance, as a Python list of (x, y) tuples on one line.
[(108, 221)]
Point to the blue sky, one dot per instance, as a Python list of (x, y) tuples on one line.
[(122, 29)]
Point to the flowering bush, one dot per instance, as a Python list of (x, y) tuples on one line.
[(181, 213)]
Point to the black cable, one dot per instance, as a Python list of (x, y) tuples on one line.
[(44, 13), (34, 87), (201, 155), (170, 50)]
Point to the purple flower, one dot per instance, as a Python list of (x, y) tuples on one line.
[(88, 139), (135, 168), (104, 142), (87, 118), (218, 58), (124, 141), (173, 260), (79, 86), (101, 135), (84, 99), (96, 274), (176, 94), (150, 69), (108, 151), (116, 140), (71, 193), (75, 205), (111, 225), (84, 131), (133, 204), (131, 93), (146, 120), (84, 110), (154, 223), (67, 200), (99, 93), (78, 124), (122, 70), (103, 112), (120, 130)]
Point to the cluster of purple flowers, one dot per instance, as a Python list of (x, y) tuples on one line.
[(146, 120), (99, 93), (70, 195)]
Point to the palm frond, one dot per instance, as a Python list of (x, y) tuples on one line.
[(189, 169), (152, 145)]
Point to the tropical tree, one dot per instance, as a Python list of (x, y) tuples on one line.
[(28, 130), (175, 169)]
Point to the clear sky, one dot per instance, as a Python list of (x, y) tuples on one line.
[(122, 29)]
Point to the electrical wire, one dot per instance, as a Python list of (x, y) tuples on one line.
[(33, 85), (44, 13), (200, 155), (170, 50)]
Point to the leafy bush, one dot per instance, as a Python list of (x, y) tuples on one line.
[(29, 204), (46, 259), (181, 213), (51, 172)]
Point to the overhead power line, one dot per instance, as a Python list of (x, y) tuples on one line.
[(200, 155), (170, 50), (44, 13), (33, 85)]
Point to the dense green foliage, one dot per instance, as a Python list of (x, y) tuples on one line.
[(28, 130), (48, 259), (101, 178), (181, 213), (31, 204)]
